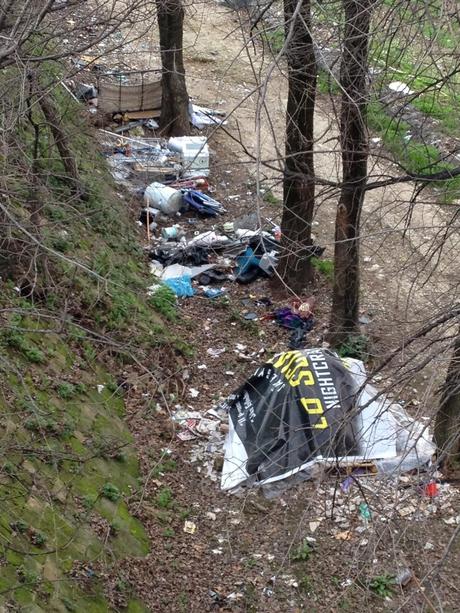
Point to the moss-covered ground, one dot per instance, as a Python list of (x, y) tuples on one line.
[(73, 311)]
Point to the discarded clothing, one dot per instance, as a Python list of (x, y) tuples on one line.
[(286, 318), (248, 267), (307, 407)]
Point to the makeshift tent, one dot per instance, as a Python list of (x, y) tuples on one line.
[(307, 407), (117, 98)]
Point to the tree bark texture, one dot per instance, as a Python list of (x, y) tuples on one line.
[(354, 145), (174, 119), (447, 423), (62, 143), (299, 181)]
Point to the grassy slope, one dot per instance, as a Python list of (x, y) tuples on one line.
[(67, 463)]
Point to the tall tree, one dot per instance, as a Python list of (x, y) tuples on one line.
[(447, 423), (299, 181), (354, 78), (174, 118)]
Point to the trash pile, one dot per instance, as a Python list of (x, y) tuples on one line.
[(361, 501), (310, 411), (240, 251), (210, 258), (171, 178), (154, 159), (307, 408)]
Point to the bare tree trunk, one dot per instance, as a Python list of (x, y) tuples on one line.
[(62, 143), (34, 188), (447, 423), (299, 182), (354, 143), (174, 118)]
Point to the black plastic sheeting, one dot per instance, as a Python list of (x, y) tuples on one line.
[(296, 407)]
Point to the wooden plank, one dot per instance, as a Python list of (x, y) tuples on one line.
[(152, 114)]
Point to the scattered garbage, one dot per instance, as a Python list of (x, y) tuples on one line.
[(213, 292), (179, 278), (400, 88), (215, 353), (148, 215), (431, 489), (404, 577), (151, 124), (180, 253), (310, 407), (85, 92), (212, 276), (210, 239), (126, 127), (172, 233), (258, 259), (197, 183), (189, 527), (364, 511)]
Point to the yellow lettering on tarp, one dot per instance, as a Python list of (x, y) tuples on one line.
[(290, 363), (322, 424), (313, 406), (287, 367), (284, 357), (296, 369), (299, 363), (304, 376)]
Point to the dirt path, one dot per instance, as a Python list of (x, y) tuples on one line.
[(399, 282)]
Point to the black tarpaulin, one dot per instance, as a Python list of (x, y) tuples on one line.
[(296, 407)]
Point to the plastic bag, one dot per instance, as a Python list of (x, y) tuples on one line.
[(181, 286)]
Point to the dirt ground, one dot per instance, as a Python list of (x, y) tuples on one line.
[(285, 555)]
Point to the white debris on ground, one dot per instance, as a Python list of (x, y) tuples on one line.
[(373, 500), (354, 503)]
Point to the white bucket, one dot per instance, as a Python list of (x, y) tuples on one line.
[(164, 198)]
